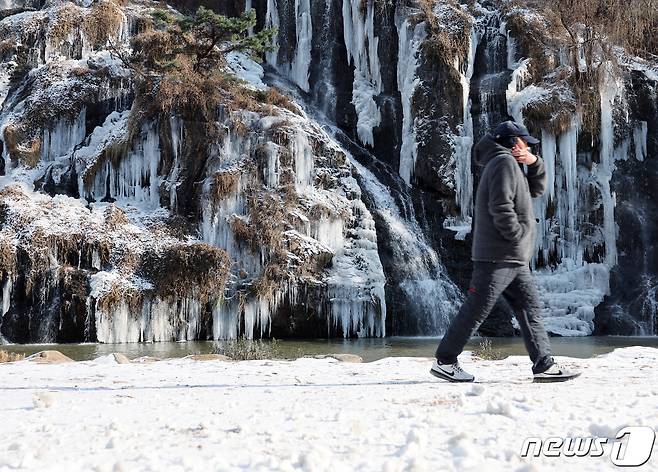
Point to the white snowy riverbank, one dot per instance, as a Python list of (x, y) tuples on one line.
[(314, 415)]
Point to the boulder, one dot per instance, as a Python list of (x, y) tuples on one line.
[(49, 357), (351, 358), (120, 358)]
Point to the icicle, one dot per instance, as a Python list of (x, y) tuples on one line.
[(464, 142), (303, 154), (640, 140), (548, 151), (135, 179), (511, 46), (273, 166), (123, 32), (216, 229), (355, 290), (256, 314), (225, 321), (272, 21), (548, 154), (648, 312), (361, 44), (514, 105), (609, 90), (177, 147), (96, 259), (570, 294), (299, 69), (582, 61), (247, 8), (330, 232), (156, 321), (65, 135), (355, 311), (324, 89), (407, 83), (216, 216), (572, 290), (6, 295), (5, 79), (567, 212)]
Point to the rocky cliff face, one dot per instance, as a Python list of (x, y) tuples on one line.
[(461, 69), (346, 216), (121, 226)]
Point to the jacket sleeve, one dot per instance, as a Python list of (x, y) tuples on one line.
[(502, 190), (537, 178)]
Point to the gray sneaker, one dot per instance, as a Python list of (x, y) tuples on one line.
[(555, 373), (450, 372)]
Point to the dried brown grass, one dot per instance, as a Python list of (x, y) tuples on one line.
[(7, 256), (249, 350), (102, 22), (588, 99), (104, 249), (10, 356), (535, 39), (243, 231), (181, 270), (13, 192), (443, 44), (273, 96), (67, 19), (177, 86), (80, 71), (267, 213), (269, 280), (115, 217), (126, 262), (268, 219), (631, 24), (118, 294), (191, 93), (22, 147), (6, 46), (239, 127), (223, 184)]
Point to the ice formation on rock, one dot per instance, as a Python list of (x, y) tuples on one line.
[(298, 67), (410, 40), (362, 51), (125, 182), (348, 228), (464, 142)]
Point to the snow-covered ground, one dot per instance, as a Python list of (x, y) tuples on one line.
[(314, 415)]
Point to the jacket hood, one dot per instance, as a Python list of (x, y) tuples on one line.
[(486, 149)]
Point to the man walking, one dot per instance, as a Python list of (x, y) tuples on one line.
[(503, 242)]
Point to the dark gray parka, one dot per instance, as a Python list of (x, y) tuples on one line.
[(505, 228)]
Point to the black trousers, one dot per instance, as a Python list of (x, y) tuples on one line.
[(489, 281)]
